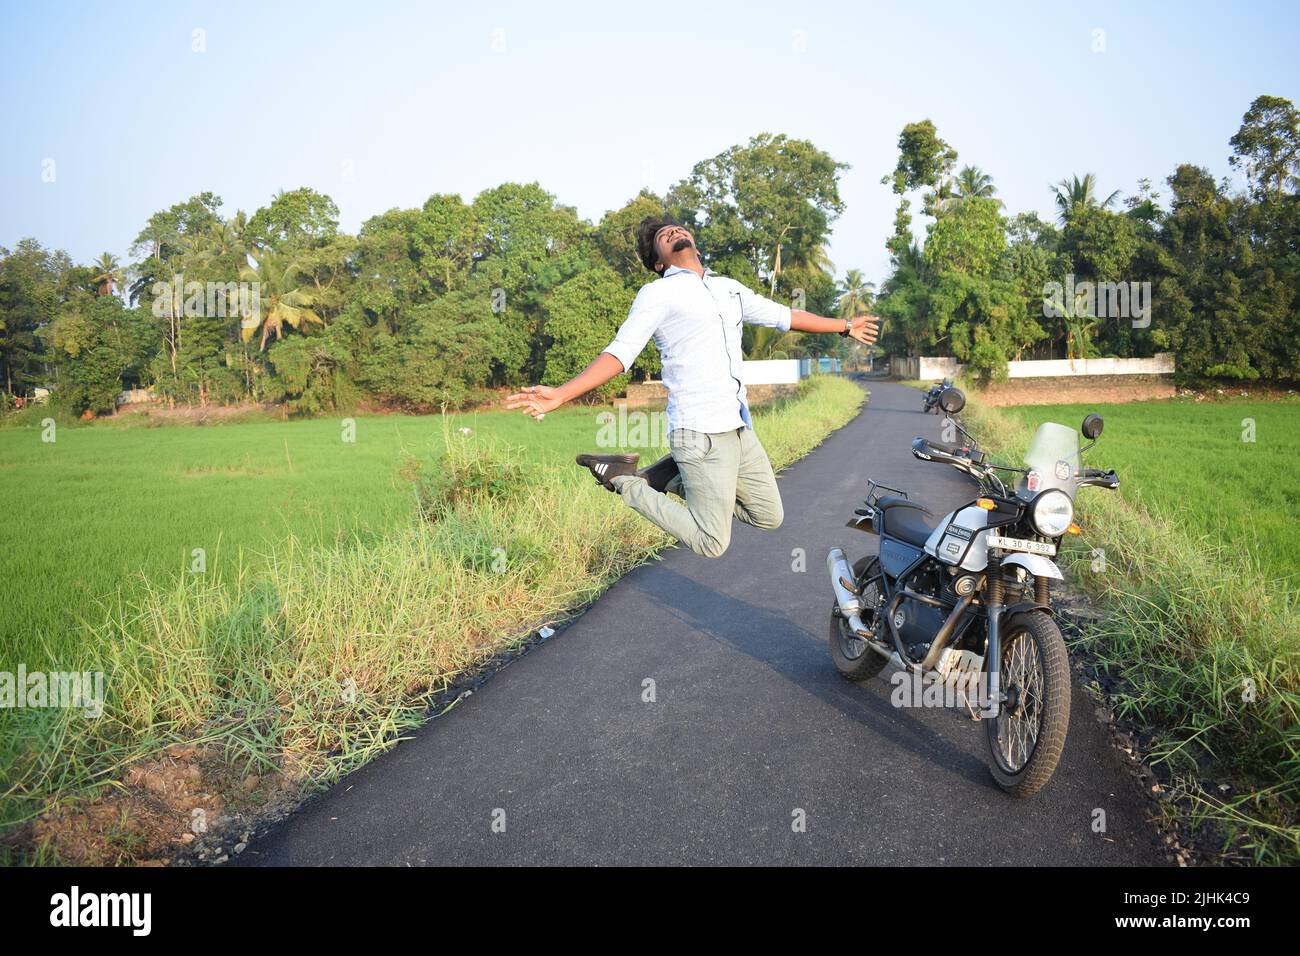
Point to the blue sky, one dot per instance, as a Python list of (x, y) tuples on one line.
[(380, 104)]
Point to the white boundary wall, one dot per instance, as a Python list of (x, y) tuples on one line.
[(1160, 364), (770, 372), (934, 369)]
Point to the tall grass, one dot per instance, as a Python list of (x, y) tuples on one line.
[(1204, 646), (320, 657)]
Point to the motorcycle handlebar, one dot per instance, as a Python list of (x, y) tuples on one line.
[(1099, 479)]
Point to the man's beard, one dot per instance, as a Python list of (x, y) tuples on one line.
[(682, 243)]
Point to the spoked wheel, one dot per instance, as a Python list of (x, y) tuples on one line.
[(1027, 737), (853, 658)]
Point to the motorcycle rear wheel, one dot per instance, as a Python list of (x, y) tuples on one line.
[(1026, 739), (853, 658)]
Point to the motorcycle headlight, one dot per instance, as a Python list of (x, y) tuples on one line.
[(1052, 513)]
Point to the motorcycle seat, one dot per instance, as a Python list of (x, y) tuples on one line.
[(908, 524), (885, 502)]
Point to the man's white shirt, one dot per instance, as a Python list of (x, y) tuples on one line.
[(696, 323)]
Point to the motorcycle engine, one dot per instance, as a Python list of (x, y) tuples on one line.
[(917, 623)]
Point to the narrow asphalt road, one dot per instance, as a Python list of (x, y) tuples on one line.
[(751, 729)]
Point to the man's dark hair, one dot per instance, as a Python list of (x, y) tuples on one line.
[(645, 238)]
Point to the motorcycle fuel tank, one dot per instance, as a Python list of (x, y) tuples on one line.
[(957, 541)]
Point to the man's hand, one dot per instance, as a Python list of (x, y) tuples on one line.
[(535, 400), (865, 328)]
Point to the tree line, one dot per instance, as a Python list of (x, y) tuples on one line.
[(422, 308), (1214, 277), (439, 306)]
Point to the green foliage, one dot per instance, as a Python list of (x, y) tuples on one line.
[(972, 301), (1228, 300), (30, 280), (299, 219), (468, 474), (856, 296), (971, 238), (286, 295), (582, 315), (1267, 147), (1100, 244), (427, 307), (304, 376), (442, 356), (100, 345), (1219, 272), (758, 208), (923, 160), (616, 237)]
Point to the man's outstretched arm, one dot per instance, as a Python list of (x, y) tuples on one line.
[(642, 319), (863, 328), (537, 400)]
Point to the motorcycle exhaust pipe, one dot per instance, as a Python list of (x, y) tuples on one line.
[(837, 566), (850, 604)]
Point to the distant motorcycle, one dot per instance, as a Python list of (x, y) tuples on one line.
[(962, 604), (930, 403), (967, 457)]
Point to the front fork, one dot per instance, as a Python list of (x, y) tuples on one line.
[(996, 607), (993, 606)]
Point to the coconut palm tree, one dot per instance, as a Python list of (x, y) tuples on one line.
[(816, 257), (766, 342), (1074, 194), (108, 274), (225, 239), (911, 265), (910, 282), (776, 258), (940, 199), (282, 296), (857, 295), (974, 183), (1079, 330)]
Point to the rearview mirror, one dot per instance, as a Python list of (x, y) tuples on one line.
[(1092, 427), (952, 400)]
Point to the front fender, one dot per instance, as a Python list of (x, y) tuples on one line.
[(1035, 564), (1025, 607)]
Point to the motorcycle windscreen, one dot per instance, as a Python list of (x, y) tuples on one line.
[(1053, 460)]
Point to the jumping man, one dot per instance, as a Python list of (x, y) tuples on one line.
[(715, 462)]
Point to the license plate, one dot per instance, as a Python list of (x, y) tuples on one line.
[(1020, 544)]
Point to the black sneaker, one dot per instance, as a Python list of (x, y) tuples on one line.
[(658, 475), (607, 467)]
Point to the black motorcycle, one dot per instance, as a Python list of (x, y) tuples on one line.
[(930, 402), (962, 606)]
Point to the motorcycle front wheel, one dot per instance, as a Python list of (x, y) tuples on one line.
[(1026, 739)]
